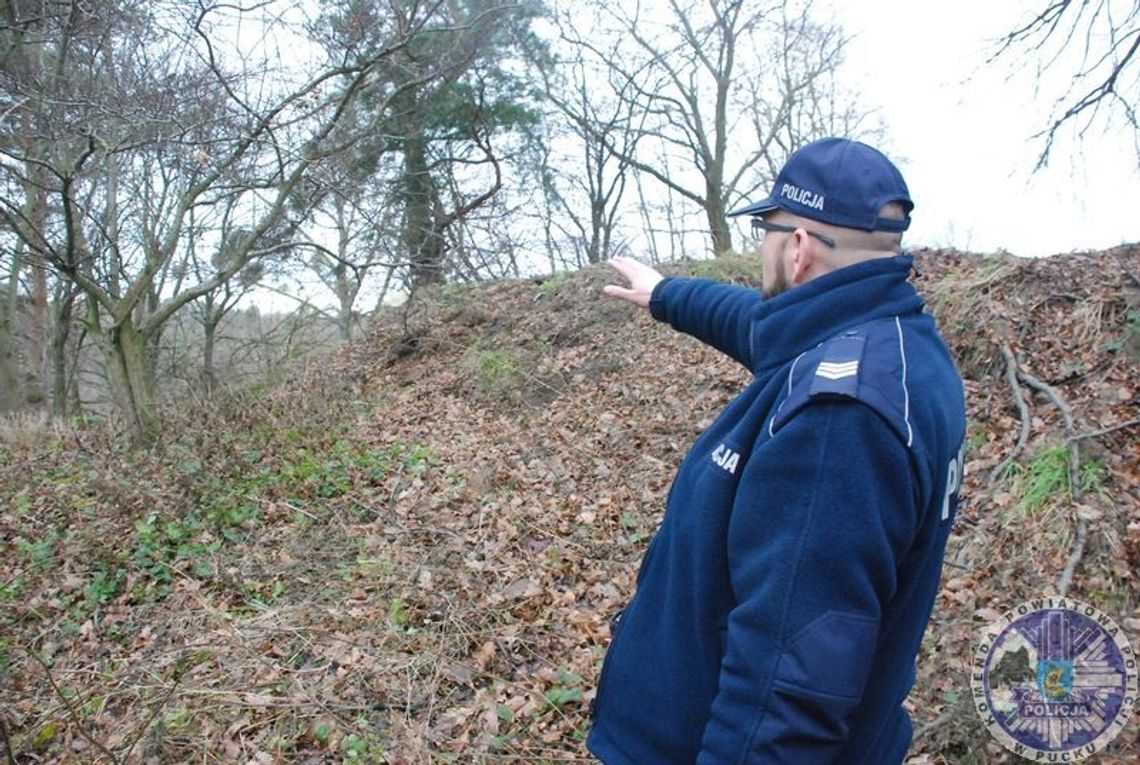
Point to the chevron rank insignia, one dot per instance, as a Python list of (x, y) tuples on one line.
[(838, 369)]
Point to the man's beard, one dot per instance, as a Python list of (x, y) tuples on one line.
[(779, 284)]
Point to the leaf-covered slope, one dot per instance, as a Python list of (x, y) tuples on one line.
[(411, 551)]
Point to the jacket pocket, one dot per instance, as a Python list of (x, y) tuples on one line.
[(829, 660)]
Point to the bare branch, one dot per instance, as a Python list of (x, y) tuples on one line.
[(1011, 375), (1104, 80)]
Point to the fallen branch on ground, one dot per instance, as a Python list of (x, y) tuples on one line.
[(1105, 430), (1011, 372), (1076, 491), (72, 713)]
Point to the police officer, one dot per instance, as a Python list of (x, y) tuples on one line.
[(782, 602)]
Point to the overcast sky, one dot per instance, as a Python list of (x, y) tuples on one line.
[(962, 132)]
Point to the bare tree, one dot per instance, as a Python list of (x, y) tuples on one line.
[(358, 253), (1098, 42), (211, 308), (585, 188), (146, 120), (66, 305), (359, 214), (25, 61), (727, 89)]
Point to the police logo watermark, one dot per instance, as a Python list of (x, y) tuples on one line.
[(1054, 680)]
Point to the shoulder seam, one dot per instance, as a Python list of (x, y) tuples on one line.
[(906, 391)]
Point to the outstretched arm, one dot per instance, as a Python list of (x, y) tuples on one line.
[(717, 314)]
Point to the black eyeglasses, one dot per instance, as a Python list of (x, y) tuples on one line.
[(761, 226)]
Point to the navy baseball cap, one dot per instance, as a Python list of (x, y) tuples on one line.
[(838, 181)]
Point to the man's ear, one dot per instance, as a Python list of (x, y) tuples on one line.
[(804, 260)]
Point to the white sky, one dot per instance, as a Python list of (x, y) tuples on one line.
[(962, 132)]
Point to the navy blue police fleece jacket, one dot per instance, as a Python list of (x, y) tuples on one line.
[(782, 602)]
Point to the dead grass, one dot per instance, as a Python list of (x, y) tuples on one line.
[(24, 432)]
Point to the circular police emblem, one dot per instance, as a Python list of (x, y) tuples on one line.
[(1054, 676)]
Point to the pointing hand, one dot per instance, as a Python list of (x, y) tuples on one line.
[(642, 279)]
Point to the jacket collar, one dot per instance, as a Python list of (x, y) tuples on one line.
[(799, 319)]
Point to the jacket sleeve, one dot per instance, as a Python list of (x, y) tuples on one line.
[(717, 314), (821, 521)]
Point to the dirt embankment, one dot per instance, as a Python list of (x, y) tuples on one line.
[(409, 553)]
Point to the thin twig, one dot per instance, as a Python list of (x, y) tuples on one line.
[(938, 722), (284, 703), (71, 711), (291, 506), (1066, 578), (402, 529), (395, 488), (1105, 430), (6, 741), (1011, 371), (154, 712), (1053, 394)]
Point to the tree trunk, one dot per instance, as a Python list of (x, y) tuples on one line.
[(595, 248), (346, 296), (342, 282), (715, 194), (74, 399), (125, 349), (65, 306), (596, 152), (718, 226), (209, 372), (423, 240), (11, 394), (35, 392)]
